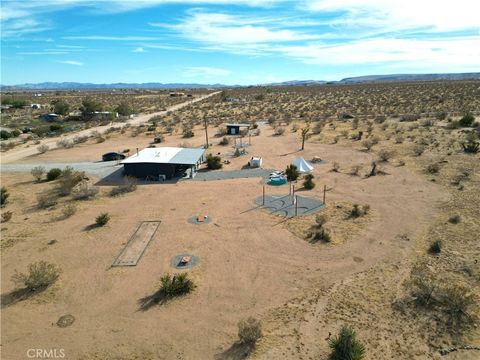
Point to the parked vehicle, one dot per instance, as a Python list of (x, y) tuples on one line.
[(111, 156)]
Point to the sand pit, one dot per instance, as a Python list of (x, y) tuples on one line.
[(133, 251)]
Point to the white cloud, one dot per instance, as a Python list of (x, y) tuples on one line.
[(109, 38), (204, 71), (138, 50), (455, 54), (392, 15), (223, 30), (71, 62)]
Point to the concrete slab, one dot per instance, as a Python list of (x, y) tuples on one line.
[(133, 251)]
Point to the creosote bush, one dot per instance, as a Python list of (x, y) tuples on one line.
[(213, 162), (308, 182), (454, 219), (53, 174), (38, 172), (85, 191), (4, 195), (46, 200), (249, 330), (435, 247), (69, 179), (225, 141), (68, 210), (102, 219), (358, 211), (42, 149), (40, 276), (6, 216), (345, 346)]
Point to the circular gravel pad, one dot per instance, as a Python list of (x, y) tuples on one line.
[(65, 321), (193, 220), (175, 262)]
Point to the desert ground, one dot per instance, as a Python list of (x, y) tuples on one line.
[(253, 263)]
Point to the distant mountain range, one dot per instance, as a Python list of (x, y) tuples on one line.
[(153, 85)]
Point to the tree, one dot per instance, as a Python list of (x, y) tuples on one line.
[(60, 107), (124, 109), (304, 132), (292, 173), (89, 106), (214, 162), (249, 330), (345, 346)]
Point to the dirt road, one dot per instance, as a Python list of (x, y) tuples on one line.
[(23, 151)]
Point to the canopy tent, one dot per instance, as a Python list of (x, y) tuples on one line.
[(302, 165)]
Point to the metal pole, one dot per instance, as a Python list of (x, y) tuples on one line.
[(206, 130), (324, 192), (293, 193), (296, 205), (263, 196)]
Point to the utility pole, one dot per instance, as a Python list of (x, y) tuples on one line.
[(206, 130)]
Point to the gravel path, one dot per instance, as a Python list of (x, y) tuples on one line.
[(232, 174), (100, 169)]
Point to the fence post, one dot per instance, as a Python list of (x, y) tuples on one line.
[(263, 195), (324, 192), (296, 205), (293, 193)]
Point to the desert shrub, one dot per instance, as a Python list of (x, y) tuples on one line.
[(379, 119), (4, 195), (45, 201), (460, 305), (292, 172), (355, 170), (320, 234), (65, 143), (249, 330), (69, 179), (454, 219), (5, 135), (423, 285), (374, 139), (221, 131), (345, 346), (225, 141), (175, 285), (187, 131), (467, 120), (213, 162), (85, 191), (279, 130), (432, 168), (335, 167), (80, 139), (53, 174), (6, 216), (320, 220), (358, 211), (308, 182), (38, 172), (441, 115), (129, 185), (40, 276), (295, 127), (68, 210), (435, 247), (398, 139), (367, 144), (158, 139), (418, 149), (385, 155), (102, 219), (42, 149)]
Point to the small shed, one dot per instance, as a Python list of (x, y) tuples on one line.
[(234, 129), (255, 162)]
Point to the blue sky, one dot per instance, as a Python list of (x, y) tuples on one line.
[(234, 42)]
